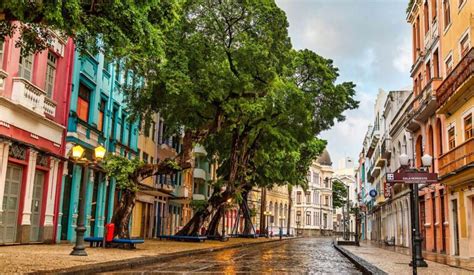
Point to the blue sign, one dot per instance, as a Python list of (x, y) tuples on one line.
[(373, 193)]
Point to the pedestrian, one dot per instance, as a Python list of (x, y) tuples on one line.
[(281, 233)]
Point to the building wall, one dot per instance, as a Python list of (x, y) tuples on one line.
[(32, 145), (118, 135)]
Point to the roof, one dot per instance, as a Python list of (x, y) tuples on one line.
[(324, 158)]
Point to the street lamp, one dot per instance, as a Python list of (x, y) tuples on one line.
[(417, 257), (77, 158), (267, 214)]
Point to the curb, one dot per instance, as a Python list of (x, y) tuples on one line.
[(363, 265), (146, 260)]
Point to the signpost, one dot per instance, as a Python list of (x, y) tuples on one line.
[(411, 178)]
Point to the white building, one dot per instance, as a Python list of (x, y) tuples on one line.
[(314, 206), (346, 175)]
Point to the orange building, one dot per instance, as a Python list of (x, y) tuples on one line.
[(426, 126), (456, 103)]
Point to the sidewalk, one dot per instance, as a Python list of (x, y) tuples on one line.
[(395, 260), (41, 257)]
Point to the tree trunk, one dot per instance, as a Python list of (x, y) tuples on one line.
[(290, 203), (213, 229), (122, 214), (194, 225), (244, 207), (262, 210)]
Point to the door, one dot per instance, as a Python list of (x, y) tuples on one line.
[(443, 219), (66, 202), (455, 227), (434, 222), (36, 203), (95, 190), (11, 200)]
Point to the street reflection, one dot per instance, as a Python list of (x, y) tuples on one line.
[(309, 255)]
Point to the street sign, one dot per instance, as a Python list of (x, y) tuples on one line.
[(412, 177), (387, 190), (373, 193)]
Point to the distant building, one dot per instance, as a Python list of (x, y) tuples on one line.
[(314, 212)]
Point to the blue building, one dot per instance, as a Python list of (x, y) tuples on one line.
[(97, 117)]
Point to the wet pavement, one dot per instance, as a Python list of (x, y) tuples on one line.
[(308, 255)]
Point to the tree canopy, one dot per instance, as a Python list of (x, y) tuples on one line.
[(339, 194)]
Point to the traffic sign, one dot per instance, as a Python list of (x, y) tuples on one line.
[(373, 193), (412, 177)]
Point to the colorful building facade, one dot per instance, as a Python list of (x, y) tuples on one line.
[(34, 106), (97, 117), (456, 104), (428, 24)]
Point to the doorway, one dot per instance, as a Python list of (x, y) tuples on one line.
[(11, 201), (66, 202), (455, 227), (36, 206)]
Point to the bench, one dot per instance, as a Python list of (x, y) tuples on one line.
[(184, 238), (128, 242), (94, 241)]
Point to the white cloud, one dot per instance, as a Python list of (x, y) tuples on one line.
[(403, 59)]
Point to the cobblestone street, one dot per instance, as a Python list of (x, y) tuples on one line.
[(295, 256)]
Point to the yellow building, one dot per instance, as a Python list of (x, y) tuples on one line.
[(456, 103)]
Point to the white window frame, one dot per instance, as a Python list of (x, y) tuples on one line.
[(464, 35), (451, 125), (49, 64), (468, 112), (450, 55), (22, 68)]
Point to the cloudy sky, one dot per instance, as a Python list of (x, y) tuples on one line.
[(370, 43)]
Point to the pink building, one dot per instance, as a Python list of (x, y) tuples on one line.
[(34, 106)]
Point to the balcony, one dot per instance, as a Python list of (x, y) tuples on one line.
[(424, 104), (386, 147), (32, 97), (457, 160), (199, 174), (457, 84), (199, 197), (181, 192), (373, 140), (373, 174), (199, 150)]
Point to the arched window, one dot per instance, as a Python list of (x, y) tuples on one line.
[(419, 150), (431, 146), (405, 150)]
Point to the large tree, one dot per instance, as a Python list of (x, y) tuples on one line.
[(234, 83), (125, 28)]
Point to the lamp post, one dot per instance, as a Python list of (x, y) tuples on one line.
[(77, 158), (267, 214), (417, 257)]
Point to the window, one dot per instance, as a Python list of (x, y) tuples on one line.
[(130, 134), (100, 118), (308, 197), (315, 197), (26, 64), (308, 177), (298, 197), (113, 129), (83, 103), (50, 74), (451, 138), (1, 54), (145, 157), (433, 10), (447, 13), (298, 216), (317, 219), (146, 131), (449, 64), (464, 45), (436, 64), (308, 218), (428, 71), (153, 129), (426, 17), (314, 218), (468, 127), (122, 129), (316, 178)]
